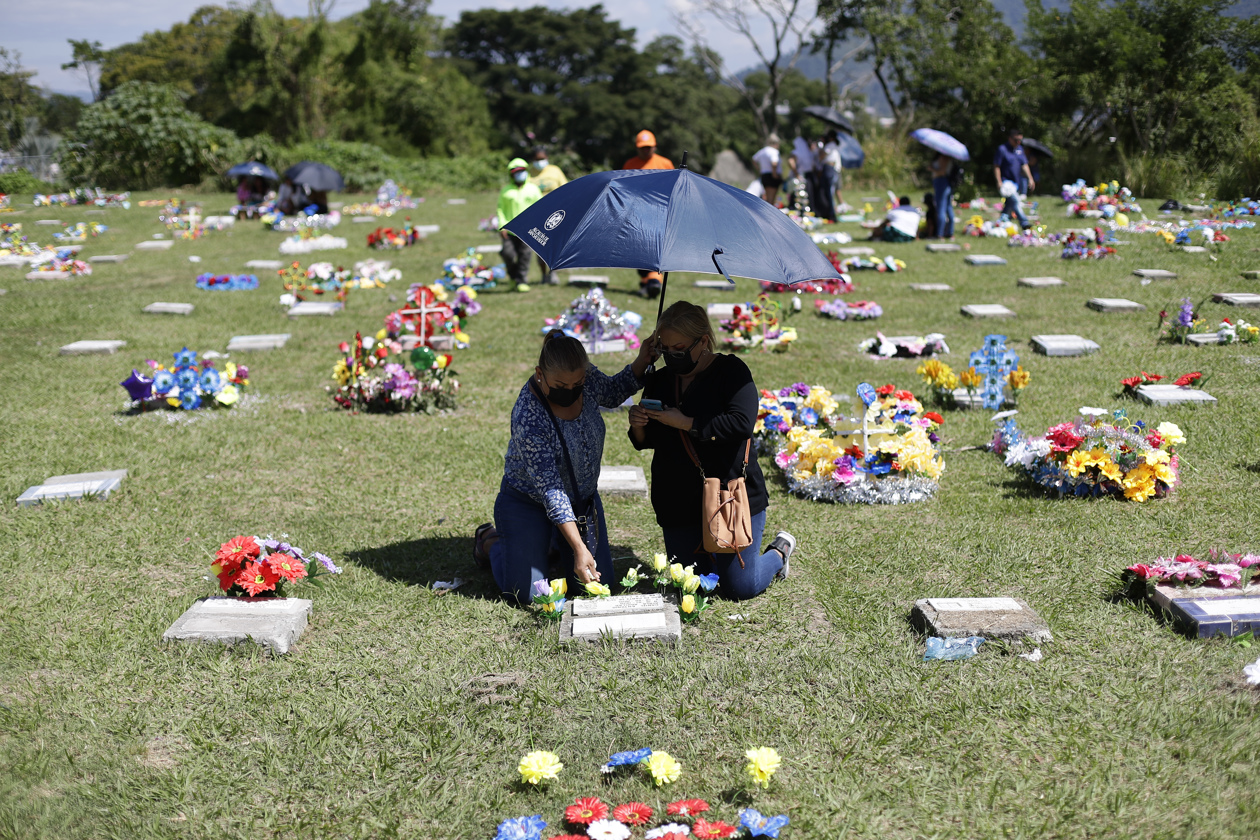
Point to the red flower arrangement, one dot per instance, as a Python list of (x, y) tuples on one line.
[(585, 810), (242, 569), (1132, 383), (633, 813), (716, 830), (686, 807)]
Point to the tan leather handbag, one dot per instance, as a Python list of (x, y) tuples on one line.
[(725, 516)]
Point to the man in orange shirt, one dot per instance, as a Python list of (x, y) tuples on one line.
[(647, 158)]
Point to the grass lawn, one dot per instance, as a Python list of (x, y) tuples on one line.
[(402, 712)]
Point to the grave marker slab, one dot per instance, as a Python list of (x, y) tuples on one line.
[(714, 284), (622, 481), (155, 245), (362, 220), (987, 310), (931, 287), (1154, 274), (1237, 299), (1208, 617), (722, 311), (1251, 275), (312, 307), (943, 247), (257, 342), (219, 222), (1114, 305), (856, 251), (1203, 339), (588, 280), (648, 617), (1163, 595), (489, 249), (50, 222), (965, 401), (1039, 282), (73, 486), (14, 260), (611, 345), (1063, 345), (274, 623), (164, 308), (109, 258), (456, 201), (984, 259), (265, 264), (48, 275), (92, 348), (1194, 249), (1010, 619), (1173, 395), (427, 229)]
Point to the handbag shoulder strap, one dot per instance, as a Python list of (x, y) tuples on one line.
[(691, 451), (564, 447)]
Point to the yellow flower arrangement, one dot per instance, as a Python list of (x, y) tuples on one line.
[(970, 379), (1018, 378), (664, 768), (538, 766), (763, 763)]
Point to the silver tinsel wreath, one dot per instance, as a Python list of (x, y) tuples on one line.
[(865, 490)]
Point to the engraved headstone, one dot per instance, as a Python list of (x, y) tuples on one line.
[(984, 259), (274, 623), (74, 486), (313, 307), (622, 481), (265, 264), (14, 260), (1010, 619), (931, 287), (163, 308), (721, 285), (943, 247), (1063, 345), (987, 310), (1039, 282), (1162, 595), (92, 348), (964, 400), (1237, 299), (611, 345), (588, 280), (257, 342), (1158, 394), (155, 245), (1114, 305), (425, 230), (1154, 274), (1208, 617), (648, 617)]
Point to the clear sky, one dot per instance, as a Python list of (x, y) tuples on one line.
[(39, 30)]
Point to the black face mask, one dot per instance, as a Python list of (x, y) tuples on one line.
[(680, 363), (565, 397)]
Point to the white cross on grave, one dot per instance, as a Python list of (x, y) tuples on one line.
[(721, 285), (1063, 345), (162, 308), (92, 348), (109, 258), (75, 486), (985, 259), (1173, 395), (257, 342), (1114, 305), (648, 617), (931, 287), (1208, 617), (588, 280), (987, 310), (312, 307), (1039, 282), (155, 245), (1010, 619), (265, 264), (1154, 274), (274, 623), (622, 481), (943, 247), (1237, 299)]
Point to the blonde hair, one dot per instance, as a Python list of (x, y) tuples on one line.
[(689, 320), (562, 354)]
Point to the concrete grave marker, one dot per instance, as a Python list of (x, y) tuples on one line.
[(620, 616), (257, 342), (1158, 394), (155, 245), (588, 280), (92, 348), (1063, 345), (721, 285), (1010, 619), (1251, 275), (943, 247), (109, 258), (984, 259), (274, 623), (50, 222), (1237, 299), (219, 222), (964, 400), (489, 249), (722, 311), (311, 307), (1194, 249), (611, 345), (931, 287), (987, 310), (264, 264), (456, 201), (425, 230), (1114, 305), (1203, 339), (14, 261), (856, 251), (622, 481), (1162, 595), (1039, 282), (362, 220), (73, 487), (48, 275), (1208, 617), (1154, 274), (163, 308), (94, 213)]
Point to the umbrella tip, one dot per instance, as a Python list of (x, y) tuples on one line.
[(684, 160)]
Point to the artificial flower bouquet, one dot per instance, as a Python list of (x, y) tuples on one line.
[(434, 317), (1188, 380), (66, 263), (389, 238), (691, 589), (1220, 571), (227, 282), (84, 195), (263, 567), (904, 347), (371, 376), (549, 597), (188, 384), (943, 383), (888, 456), (756, 325), (1238, 331), (799, 404), (843, 310), (1091, 245), (1108, 200), (80, 232), (1181, 325), (1099, 453), (591, 318), (469, 270), (321, 278), (850, 264)]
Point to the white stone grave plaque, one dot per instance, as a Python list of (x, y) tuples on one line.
[(1114, 305), (456, 201), (489, 249), (1208, 617), (1203, 339), (265, 264), (653, 602), (931, 287), (94, 213), (856, 251), (274, 623), (984, 259), (91, 348), (425, 230), (943, 247), (588, 280), (987, 310), (362, 220), (257, 342), (1237, 299), (721, 285), (1063, 345), (109, 258), (164, 308), (1194, 249), (964, 400), (722, 311), (1154, 274), (611, 345), (622, 481), (1039, 282), (1009, 619), (622, 617), (1159, 394), (49, 222), (155, 245), (220, 222), (14, 260), (1162, 595), (48, 275), (313, 307), (73, 486)]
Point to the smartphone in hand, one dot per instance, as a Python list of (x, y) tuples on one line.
[(652, 405)]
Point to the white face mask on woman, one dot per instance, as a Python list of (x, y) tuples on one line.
[(520, 176), (541, 164)]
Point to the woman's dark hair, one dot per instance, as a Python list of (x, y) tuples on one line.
[(562, 354), (688, 319)]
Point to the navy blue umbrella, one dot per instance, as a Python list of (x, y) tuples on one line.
[(254, 169), (851, 154), (317, 176), (668, 220)]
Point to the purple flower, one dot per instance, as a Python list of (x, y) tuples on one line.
[(1185, 318), (542, 588), (326, 562), (801, 388)]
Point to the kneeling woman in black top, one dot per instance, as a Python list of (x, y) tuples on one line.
[(711, 399)]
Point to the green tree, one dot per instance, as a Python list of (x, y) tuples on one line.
[(19, 99), (86, 57)]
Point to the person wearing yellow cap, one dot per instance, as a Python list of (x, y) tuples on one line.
[(513, 198), (647, 158)]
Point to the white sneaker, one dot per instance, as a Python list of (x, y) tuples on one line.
[(785, 544)]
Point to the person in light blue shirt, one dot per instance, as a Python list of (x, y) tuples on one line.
[(1010, 165)]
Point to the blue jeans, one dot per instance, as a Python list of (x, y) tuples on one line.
[(526, 536), (944, 195), (1012, 208), (735, 583)]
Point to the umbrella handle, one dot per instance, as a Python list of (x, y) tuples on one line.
[(660, 307), (717, 251)]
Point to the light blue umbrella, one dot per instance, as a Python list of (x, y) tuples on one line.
[(851, 154), (939, 141)]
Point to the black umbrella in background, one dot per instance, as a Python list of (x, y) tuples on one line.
[(829, 115), (316, 176), (1038, 147), (253, 168)]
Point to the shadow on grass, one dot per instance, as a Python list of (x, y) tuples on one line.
[(425, 561), (1021, 488), (1251, 468)]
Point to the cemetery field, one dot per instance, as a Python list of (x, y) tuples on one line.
[(402, 712)]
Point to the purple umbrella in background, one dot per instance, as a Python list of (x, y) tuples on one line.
[(939, 141)]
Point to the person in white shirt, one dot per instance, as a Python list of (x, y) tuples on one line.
[(831, 168), (900, 225), (801, 163), (767, 160)]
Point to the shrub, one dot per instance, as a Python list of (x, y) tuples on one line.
[(22, 181)]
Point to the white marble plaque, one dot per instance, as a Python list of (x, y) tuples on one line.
[(975, 604), (612, 345), (313, 307), (109, 258), (620, 625), (1114, 305), (1039, 282), (985, 259), (1237, 299), (622, 481), (489, 249), (714, 284), (722, 311), (425, 230), (49, 222), (164, 308), (456, 201), (257, 342), (987, 310), (1159, 394), (67, 490), (1063, 345), (1154, 274), (856, 251), (1194, 249), (931, 287), (1203, 339), (943, 247), (155, 245), (1229, 606), (588, 280), (614, 604), (90, 348), (49, 275), (265, 264)]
